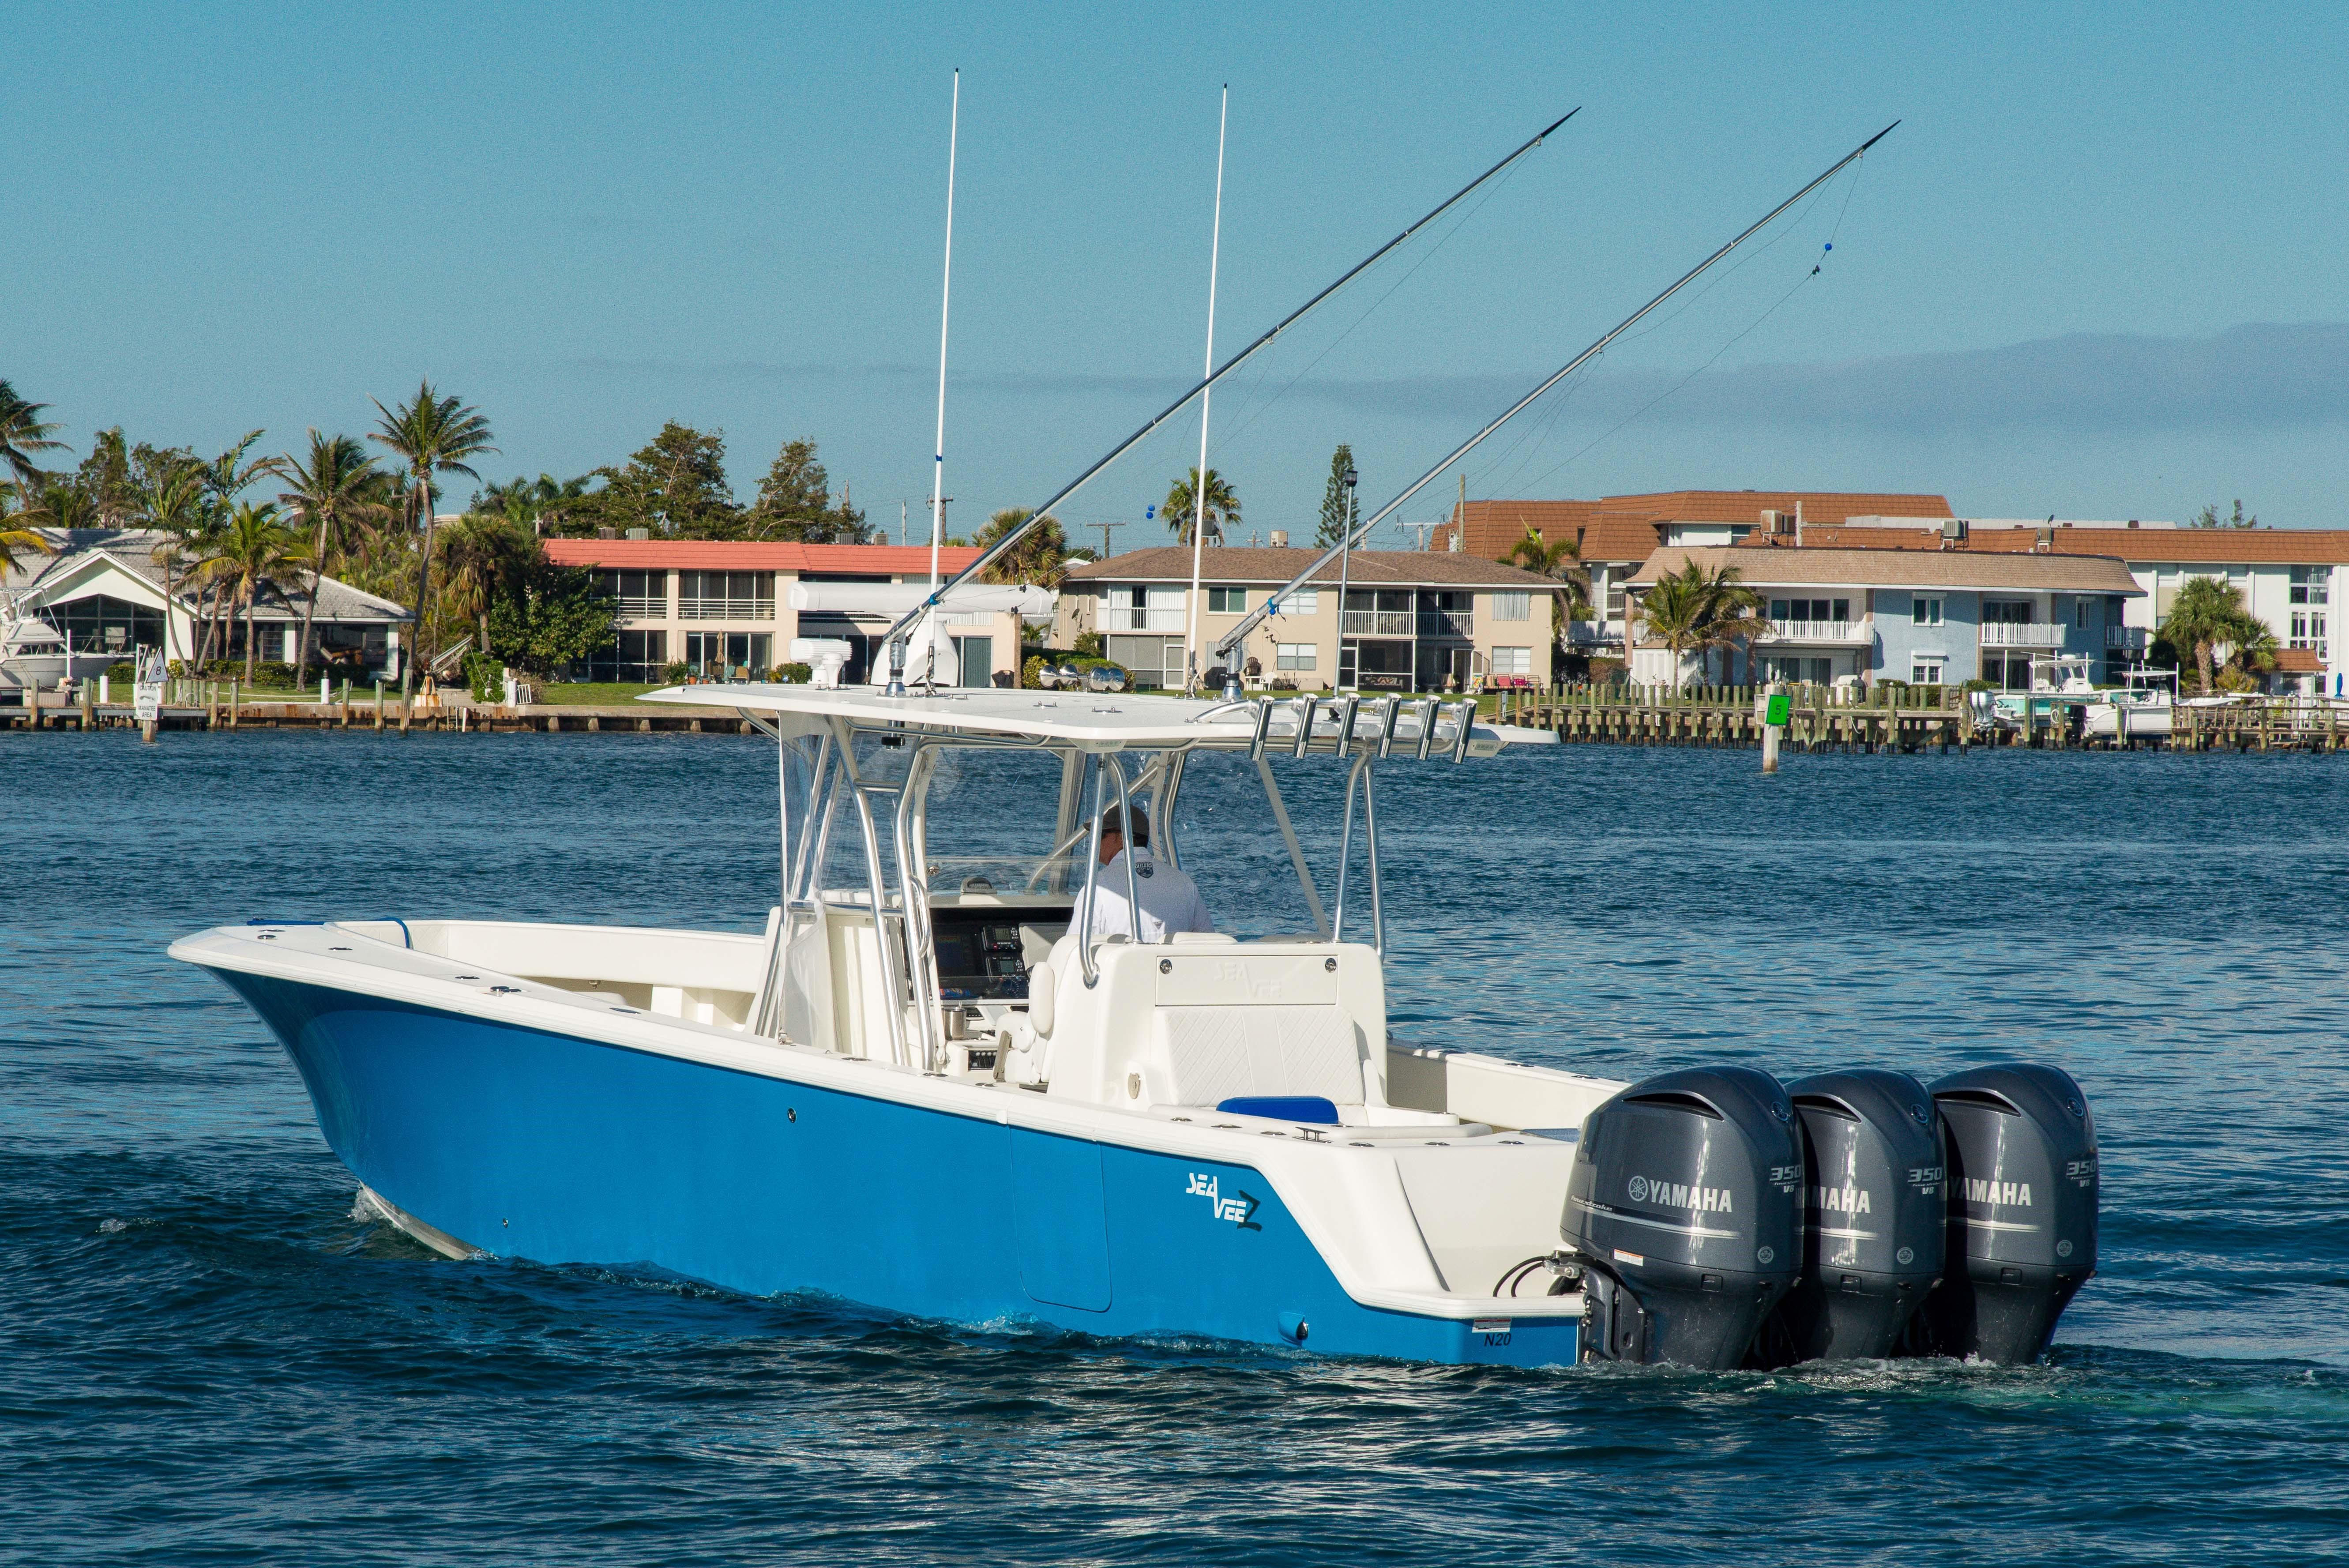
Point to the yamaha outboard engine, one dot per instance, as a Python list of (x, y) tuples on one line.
[(1681, 1211), (1874, 1213), (2021, 1214)]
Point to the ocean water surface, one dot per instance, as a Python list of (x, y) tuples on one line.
[(206, 1358)]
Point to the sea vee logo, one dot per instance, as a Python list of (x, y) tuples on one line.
[(1239, 1208), (1997, 1194), (1676, 1195)]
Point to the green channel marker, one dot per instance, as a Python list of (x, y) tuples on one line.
[(1780, 707)]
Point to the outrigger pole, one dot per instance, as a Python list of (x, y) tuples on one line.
[(1254, 618), (895, 635)]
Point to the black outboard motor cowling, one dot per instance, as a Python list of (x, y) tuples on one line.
[(1683, 1209), (2021, 1214), (1875, 1212)]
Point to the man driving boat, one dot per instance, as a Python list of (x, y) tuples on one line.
[(1170, 900)]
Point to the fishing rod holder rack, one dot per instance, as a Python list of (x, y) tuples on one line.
[(1352, 725)]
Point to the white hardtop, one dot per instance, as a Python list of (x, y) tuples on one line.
[(1106, 721)]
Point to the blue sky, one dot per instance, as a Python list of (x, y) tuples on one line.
[(2098, 271)]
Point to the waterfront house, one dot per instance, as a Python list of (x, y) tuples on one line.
[(1415, 619), (1929, 619), (106, 591), (1615, 535), (2291, 579), (724, 607)]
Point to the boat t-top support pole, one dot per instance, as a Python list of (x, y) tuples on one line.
[(1254, 618), (895, 635)]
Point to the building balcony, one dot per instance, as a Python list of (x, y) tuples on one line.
[(644, 609), (725, 609), (1594, 633), (2128, 638), (1126, 617), (2021, 634), (1379, 623), (1839, 632)]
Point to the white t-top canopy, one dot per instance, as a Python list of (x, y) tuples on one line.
[(1110, 722)]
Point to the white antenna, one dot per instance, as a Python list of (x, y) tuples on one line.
[(1199, 483), (946, 297)]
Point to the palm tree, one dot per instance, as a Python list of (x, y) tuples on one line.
[(1182, 509), (2207, 612), (252, 550), (1695, 611), (327, 493), (1673, 611), (435, 435), (23, 432), (486, 554), (175, 503), (1041, 558)]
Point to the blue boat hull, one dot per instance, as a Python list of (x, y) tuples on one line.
[(528, 1144)]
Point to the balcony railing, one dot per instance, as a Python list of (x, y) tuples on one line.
[(1816, 631), (727, 608), (1592, 633), (2128, 638), (644, 606), (1379, 623), (2021, 634), (1127, 617)]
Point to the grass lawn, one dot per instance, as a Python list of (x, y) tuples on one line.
[(595, 693)]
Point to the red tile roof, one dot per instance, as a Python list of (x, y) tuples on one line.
[(2270, 547), (1264, 563), (740, 555), (1629, 527)]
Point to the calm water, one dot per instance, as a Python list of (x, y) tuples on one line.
[(205, 1358)]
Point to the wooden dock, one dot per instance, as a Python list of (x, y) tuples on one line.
[(1613, 715)]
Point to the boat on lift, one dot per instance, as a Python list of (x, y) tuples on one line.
[(2139, 710)]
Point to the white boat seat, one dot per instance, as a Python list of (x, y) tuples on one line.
[(1204, 1055)]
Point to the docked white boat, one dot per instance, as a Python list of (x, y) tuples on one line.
[(2139, 710), (33, 655)]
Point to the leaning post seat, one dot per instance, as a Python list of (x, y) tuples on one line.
[(1198, 1021)]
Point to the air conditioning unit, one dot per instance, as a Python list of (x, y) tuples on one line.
[(1778, 524), (1280, 538), (1954, 530)]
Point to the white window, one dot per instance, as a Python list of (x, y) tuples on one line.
[(1924, 611), (2079, 612), (1226, 601), (1925, 673), (1292, 656), (2308, 629), (1304, 601), (1512, 606), (2312, 585), (1513, 660)]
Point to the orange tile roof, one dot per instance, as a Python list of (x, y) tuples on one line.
[(751, 556), (1629, 527), (1747, 505), (2270, 546), (2298, 661)]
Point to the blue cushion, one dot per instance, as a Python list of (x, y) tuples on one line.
[(1283, 1108)]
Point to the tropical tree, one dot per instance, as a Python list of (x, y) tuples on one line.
[(486, 557), (433, 435), (1694, 610), (174, 502), (1182, 507), (2207, 613), (795, 502), (1040, 558), (1341, 508), (252, 552), (327, 492), (551, 616), (1561, 563), (23, 432), (2209, 518), (540, 505), (15, 535), (230, 474)]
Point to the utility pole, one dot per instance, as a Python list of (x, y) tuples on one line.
[(1105, 527)]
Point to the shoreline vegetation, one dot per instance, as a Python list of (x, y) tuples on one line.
[(365, 512)]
